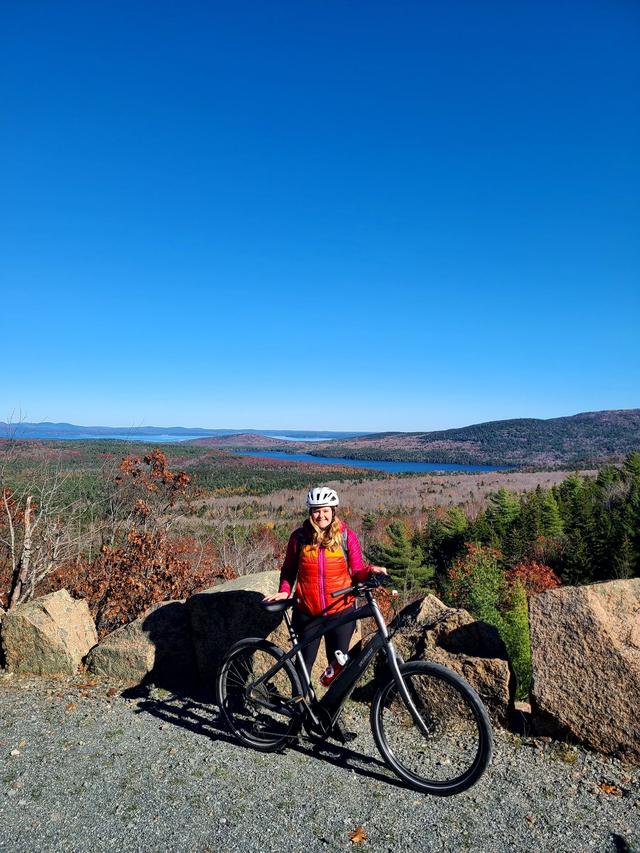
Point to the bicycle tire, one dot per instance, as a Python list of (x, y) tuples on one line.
[(252, 723), (459, 746)]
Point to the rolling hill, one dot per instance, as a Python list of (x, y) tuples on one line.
[(589, 438)]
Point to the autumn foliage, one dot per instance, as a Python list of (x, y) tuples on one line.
[(534, 577), (143, 564)]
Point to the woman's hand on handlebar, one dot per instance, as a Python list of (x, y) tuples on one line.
[(378, 570), (277, 596)]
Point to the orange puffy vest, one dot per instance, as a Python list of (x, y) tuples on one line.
[(321, 572)]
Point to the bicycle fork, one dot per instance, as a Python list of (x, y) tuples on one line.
[(392, 660)]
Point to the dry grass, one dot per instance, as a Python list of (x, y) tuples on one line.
[(395, 495)]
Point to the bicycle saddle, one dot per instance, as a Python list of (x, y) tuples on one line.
[(277, 606)]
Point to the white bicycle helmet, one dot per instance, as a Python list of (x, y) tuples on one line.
[(322, 496)]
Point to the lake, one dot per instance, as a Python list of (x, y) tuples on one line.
[(375, 465), (88, 436)]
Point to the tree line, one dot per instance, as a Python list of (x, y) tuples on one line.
[(583, 530)]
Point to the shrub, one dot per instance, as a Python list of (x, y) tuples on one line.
[(514, 631), (533, 577), (477, 583)]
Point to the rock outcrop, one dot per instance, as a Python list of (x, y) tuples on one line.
[(586, 664), (48, 636), (155, 648), (221, 616), (429, 630)]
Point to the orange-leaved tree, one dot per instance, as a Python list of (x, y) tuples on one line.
[(534, 577), (140, 563)]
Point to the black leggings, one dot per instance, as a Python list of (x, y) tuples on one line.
[(336, 638)]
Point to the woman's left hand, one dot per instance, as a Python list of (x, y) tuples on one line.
[(379, 570)]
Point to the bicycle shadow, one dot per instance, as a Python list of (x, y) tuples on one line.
[(204, 719)]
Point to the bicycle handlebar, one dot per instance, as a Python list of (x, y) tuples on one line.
[(372, 582)]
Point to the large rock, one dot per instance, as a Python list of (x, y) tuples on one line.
[(155, 648), (586, 664), (230, 612), (226, 613), (48, 636), (429, 630)]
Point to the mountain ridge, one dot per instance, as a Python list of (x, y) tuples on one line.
[(583, 439), (586, 438)]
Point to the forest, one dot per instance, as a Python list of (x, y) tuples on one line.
[(583, 530), (125, 527), (579, 440)]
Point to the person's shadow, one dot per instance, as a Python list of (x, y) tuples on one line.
[(191, 639)]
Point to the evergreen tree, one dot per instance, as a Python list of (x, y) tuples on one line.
[(368, 524), (632, 466), (576, 510), (403, 559), (514, 630), (631, 512), (443, 537), (504, 508), (477, 583), (531, 515), (550, 516), (624, 559)]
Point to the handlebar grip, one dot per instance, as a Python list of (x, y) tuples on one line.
[(339, 592)]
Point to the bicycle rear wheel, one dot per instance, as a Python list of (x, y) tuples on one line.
[(456, 748), (264, 717)]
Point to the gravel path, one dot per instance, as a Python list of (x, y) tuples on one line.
[(84, 768)]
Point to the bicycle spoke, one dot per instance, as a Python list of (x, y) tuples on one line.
[(455, 748), (258, 710)]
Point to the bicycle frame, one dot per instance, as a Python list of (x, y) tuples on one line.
[(343, 685)]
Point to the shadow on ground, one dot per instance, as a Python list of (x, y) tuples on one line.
[(202, 718)]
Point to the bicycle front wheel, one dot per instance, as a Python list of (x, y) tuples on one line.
[(263, 715), (456, 746)]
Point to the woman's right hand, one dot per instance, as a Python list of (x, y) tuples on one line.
[(278, 596)]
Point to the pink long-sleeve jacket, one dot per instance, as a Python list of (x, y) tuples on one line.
[(318, 572)]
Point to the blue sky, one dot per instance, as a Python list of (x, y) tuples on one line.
[(325, 215)]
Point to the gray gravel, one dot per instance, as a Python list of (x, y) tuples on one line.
[(85, 770)]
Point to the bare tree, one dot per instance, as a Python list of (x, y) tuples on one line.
[(38, 531)]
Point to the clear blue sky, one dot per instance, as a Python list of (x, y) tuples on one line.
[(330, 215)]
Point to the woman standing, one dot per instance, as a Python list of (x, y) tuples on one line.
[(323, 556)]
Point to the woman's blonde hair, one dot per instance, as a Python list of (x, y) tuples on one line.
[(330, 538)]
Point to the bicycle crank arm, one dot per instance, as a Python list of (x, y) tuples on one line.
[(278, 707)]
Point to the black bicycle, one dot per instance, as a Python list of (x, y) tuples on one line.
[(428, 723)]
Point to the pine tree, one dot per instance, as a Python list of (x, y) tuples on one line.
[(550, 516), (443, 537), (632, 466), (368, 524), (575, 503), (403, 559), (514, 630), (503, 510), (477, 583), (531, 512)]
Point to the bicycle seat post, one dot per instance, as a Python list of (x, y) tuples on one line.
[(289, 624)]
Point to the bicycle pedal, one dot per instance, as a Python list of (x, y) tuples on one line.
[(341, 735)]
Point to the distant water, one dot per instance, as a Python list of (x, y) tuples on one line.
[(148, 439), (392, 467), (155, 438)]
